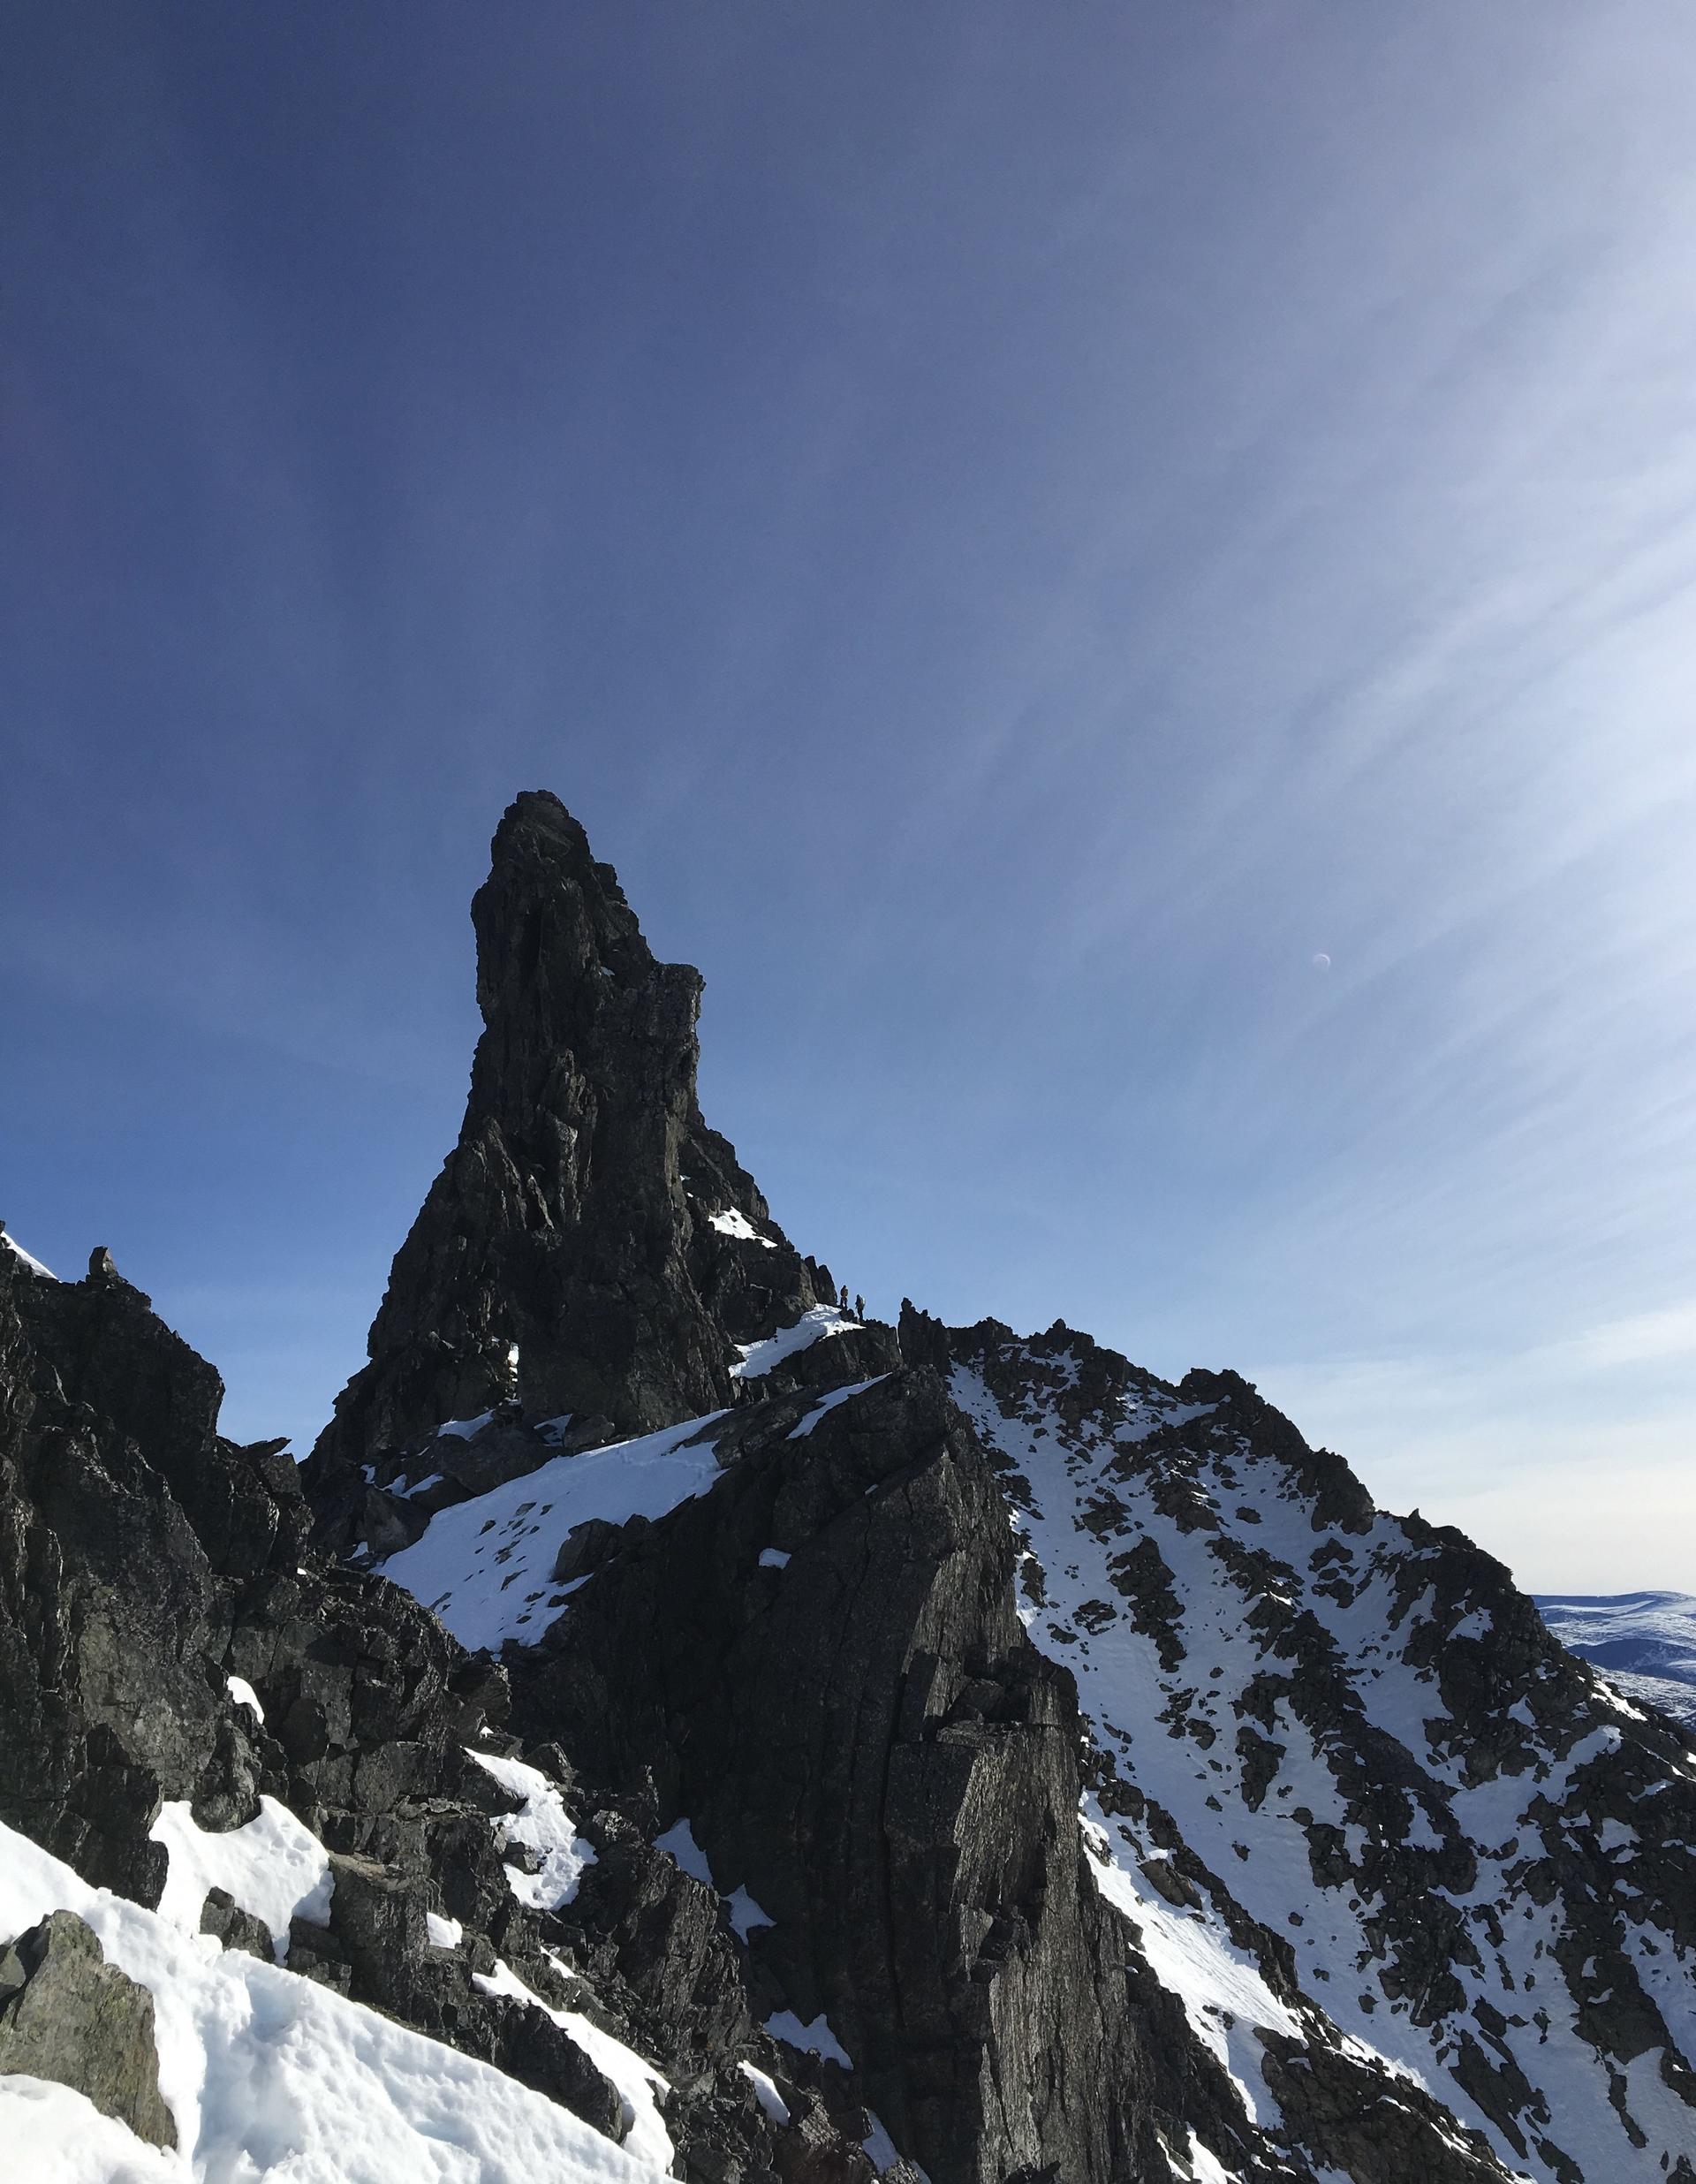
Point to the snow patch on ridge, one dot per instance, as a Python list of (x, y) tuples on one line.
[(767, 2094), (824, 1408), (484, 1567), (758, 1358), (31, 1265)]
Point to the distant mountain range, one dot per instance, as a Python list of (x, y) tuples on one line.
[(1643, 1642)]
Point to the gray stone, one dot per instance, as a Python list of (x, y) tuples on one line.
[(80, 2022)]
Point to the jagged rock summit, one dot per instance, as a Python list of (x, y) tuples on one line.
[(581, 1255), (684, 1730)]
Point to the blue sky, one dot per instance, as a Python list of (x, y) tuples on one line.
[(1016, 528)]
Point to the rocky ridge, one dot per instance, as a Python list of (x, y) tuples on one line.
[(806, 1748)]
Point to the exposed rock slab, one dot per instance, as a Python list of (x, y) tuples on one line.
[(67, 2015)]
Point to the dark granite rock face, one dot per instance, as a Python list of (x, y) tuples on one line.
[(866, 1742), (67, 2015), (567, 1254)]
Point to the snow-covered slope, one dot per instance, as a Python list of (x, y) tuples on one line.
[(270, 2077), (1460, 1853), (486, 1567), (1644, 1642)]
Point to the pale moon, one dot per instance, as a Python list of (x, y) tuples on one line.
[(1322, 962)]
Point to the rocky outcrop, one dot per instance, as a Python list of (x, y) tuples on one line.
[(144, 1562), (590, 1247), (67, 2015), (112, 1608), (863, 1738)]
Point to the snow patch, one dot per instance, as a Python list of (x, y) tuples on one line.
[(745, 1914), (836, 1395), (738, 1224), (679, 1842), (274, 1867), (30, 1265), (484, 1567), (244, 1694), (543, 1830), (816, 2038), (758, 1358), (463, 1429), (767, 2094)]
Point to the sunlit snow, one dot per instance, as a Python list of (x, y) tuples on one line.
[(541, 1833), (827, 1404), (758, 1358), (738, 1224), (274, 1867), (486, 1567), (244, 1694), (31, 1265), (638, 2081), (273, 2079)]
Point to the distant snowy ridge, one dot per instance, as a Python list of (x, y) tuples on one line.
[(1644, 1642)]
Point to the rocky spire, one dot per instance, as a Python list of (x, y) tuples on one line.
[(589, 1246)]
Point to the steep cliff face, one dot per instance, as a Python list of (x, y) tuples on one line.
[(834, 1690), (790, 1748)]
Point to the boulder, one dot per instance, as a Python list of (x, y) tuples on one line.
[(67, 2015)]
